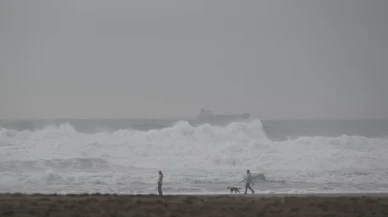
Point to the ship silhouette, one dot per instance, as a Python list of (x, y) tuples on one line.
[(207, 115)]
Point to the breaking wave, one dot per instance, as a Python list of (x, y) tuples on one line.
[(182, 147)]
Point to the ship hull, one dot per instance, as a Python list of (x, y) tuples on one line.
[(225, 117), (220, 119)]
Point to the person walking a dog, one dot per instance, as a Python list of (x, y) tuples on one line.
[(160, 183), (248, 182)]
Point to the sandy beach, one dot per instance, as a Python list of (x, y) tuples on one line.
[(183, 205)]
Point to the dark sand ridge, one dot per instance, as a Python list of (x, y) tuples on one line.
[(224, 205)]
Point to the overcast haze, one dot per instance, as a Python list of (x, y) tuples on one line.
[(277, 59)]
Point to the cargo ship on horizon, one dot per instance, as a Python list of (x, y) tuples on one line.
[(206, 115)]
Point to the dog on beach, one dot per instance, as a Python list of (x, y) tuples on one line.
[(234, 189)]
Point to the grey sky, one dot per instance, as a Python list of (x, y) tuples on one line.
[(293, 59)]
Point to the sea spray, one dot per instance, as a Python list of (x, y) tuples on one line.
[(203, 154)]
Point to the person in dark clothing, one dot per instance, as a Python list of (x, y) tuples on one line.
[(160, 183), (248, 182)]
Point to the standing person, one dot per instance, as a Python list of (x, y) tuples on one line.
[(160, 183), (248, 181)]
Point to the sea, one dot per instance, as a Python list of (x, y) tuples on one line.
[(124, 156)]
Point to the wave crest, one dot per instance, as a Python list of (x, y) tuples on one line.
[(235, 146)]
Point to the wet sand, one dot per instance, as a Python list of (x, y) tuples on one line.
[(97, 205)]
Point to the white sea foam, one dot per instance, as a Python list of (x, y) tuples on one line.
[(202, 155)]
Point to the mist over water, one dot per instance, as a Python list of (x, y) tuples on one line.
[(120, 156)]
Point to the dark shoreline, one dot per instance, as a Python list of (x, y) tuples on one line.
[(329, 205), (16, 194)]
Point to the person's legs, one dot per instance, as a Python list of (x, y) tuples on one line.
[(249, 186), (160, 189), (246, 188)]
